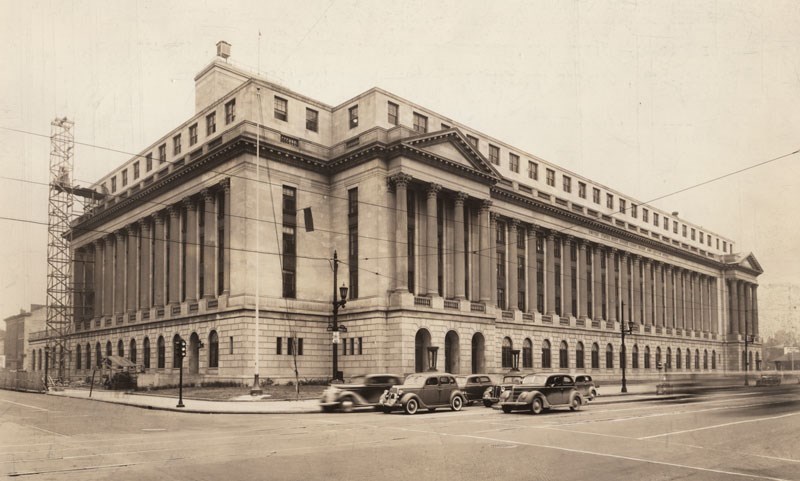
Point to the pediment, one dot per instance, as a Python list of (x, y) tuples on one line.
[(451, 147), (751, 262)]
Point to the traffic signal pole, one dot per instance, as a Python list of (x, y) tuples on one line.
[(182, 346)]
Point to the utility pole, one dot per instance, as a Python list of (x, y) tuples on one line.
[(335, 327)]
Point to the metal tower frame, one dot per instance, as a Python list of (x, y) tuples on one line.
[(60, 291)]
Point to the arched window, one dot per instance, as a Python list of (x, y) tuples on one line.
[(688, 359), (563, 355), (132, 351), (595, 356), (546, 356), (505, 352), (697, 358), (108, 348), (647, 357), (658, 356), (609, 356), (88, 356), (78, 356), (162, 352), (120, 348), (176, 353), (669, 358), (705, 358), (714, 359), (41, 364), (635, 356), (579, 356), (146, 352), (98, 355), (213, 349), (678, 359), (527, 353)]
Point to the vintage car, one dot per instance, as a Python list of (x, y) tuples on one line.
[(473, 386), (491, 395), (542, 391), (769, 380), (586, 386), (362, 391), (424, 390)]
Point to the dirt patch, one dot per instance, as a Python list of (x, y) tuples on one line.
[(276, 393)]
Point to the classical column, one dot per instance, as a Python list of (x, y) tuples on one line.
[(132, 257), (597, 290), (159, 259), (611, 294), (624, 299), (636, 291), (647, 303), (740, 305), (119, 272), (748, 307), (733, 310), (492, 254), (460, 261), (79, 286), (550, 274), (669, 296), (226, 242), (703, 298), (566, 274), (432, 258), (690, 302), (755, 309), (210, 229), (145, 272), (658, 272), (512, 262), (714, 319), (698, 302), (174, 244), (533, 289), (99, 285), (583, 281), (484, 255), (192, 251), (680, 297)]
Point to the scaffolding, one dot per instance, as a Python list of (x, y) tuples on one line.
[(60, 292)]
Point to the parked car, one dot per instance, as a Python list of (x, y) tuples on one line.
[(428, 391), (769, 380), (586, 386), (473, 386), (491, 395), (362, 391), (542, 391)]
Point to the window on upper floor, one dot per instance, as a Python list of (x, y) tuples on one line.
[(645, 215), (693, 234), (353, 116), (192, 134), (113, 184), (533, 170), (176, 144), (312, 119), (281, 108), (675, 226), (684, 230), (622, 206), (666, 223), (513, 162), (230, 111), (581, 190), (702, 238), (494, 154), (551, 177), (567, 184), (211, 123), (610, 201), (595, 195), (136, 176), (655, 219), (473, 141), (394, 113), (634, 210), (162, 153), (420, 123), (125, 177), (148, 161)]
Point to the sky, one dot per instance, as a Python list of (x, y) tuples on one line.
[(648, 98)]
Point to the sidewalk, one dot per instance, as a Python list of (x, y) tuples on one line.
[(609, 394)]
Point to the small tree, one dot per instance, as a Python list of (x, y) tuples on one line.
[(293, 347)]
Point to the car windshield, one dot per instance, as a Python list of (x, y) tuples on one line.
[(535, 379), (415, 380)]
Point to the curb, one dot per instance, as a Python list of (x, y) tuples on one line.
[(649, 397)]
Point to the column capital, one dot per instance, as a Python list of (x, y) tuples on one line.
[(514, 224), (493, 217), (226, 185), (131, 229), (99, 242), (623, 254), (207, 194), (532, 230), (400, 180), (551, 234), (189, 202), (582, 244), (159, 217), (433, 189), (173, 211), (144, 223), (460, 198), (485, 205)]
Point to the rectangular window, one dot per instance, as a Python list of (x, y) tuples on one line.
[(192, 134), (595, 195), (610, 201), (394, 111), (148, 160), (294, 344), (230, 112), (533, 170), (634, 212), (567, 181), (684, 230), (581, 190), (352, 231), (353, 115), (289, 253), (666, 223), (136, 173), (645, 215), (162, 153), (551, 177), (420, 123), (494, 154), (176, 145), (622, 206), (693, 233), (675, 226), (513, 162), (360, 345), (278, 345), (125, 177), (724, 246), (211, 123), (113, 184), (702, 238), (473, 141), (281, 110), (312, 119), (655, 219)]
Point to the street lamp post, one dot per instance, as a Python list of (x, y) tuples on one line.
[(746, 357), (624, 331), (335, 327), (46, 365)]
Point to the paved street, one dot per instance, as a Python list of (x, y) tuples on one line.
[(738, 434)]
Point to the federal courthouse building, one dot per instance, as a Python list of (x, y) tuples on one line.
[(457, 249)]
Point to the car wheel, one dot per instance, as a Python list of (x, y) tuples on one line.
[(456, 403), (411, 406), (347, 405), (536, 406), (592, 395), (506, 409), (488, 404), (575, 404)]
